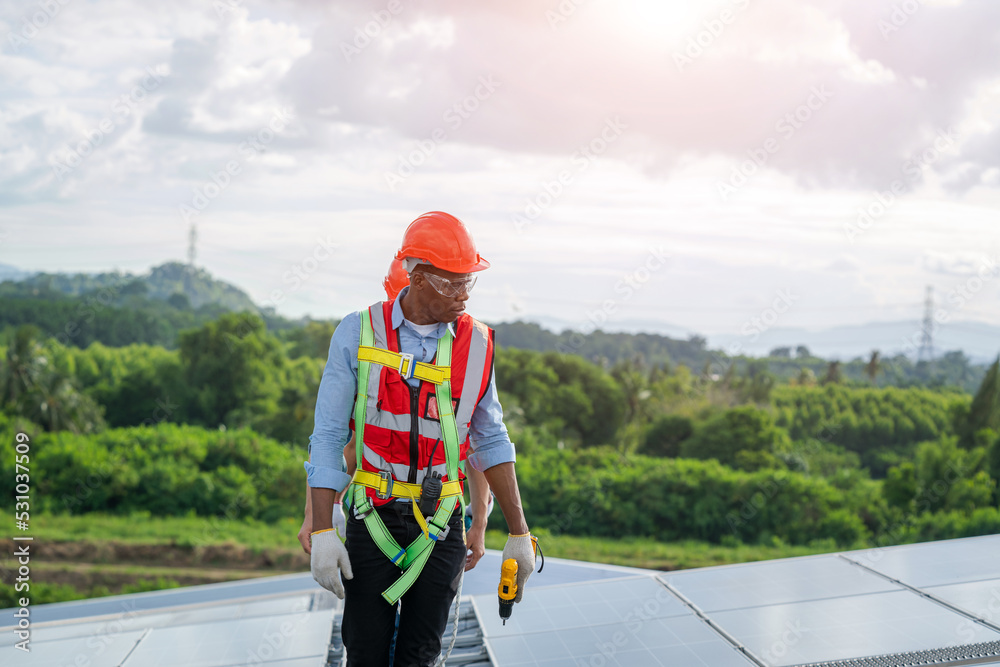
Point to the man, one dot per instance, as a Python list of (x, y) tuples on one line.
[(416, 373), (481, 505)]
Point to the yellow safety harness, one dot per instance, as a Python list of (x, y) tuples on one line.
[(412, 559)]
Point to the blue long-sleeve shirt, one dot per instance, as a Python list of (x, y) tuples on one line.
[(490, 444)]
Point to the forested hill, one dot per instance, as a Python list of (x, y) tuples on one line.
[(602, 347), (161, 283), (119, 309)]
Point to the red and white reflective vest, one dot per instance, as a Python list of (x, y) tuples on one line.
[(401, 423)]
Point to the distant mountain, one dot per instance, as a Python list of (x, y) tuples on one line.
[(979, 341), (10, 272), (600, 346), (162, 282)]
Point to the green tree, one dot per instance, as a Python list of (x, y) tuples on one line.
[(900, 486), (312, 340), (36, 388), (834, 375), (993, 466), (233, 367), (951, 478), (806, 377), (985, 409), (727, 433), (664, 436), (22, 366), (756, 384), (873, 368)]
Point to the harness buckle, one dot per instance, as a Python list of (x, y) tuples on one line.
[(406, 360), (362, 510), (443, 535), (387, 478)]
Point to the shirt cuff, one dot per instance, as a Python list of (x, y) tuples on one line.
[(485, 458), (326, 478)]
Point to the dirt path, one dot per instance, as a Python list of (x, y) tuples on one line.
[(87, 564)]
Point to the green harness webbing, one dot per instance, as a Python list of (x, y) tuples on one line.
[(413, 558)]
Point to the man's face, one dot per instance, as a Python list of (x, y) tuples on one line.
[(441, 307)]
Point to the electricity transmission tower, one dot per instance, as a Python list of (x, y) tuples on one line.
[(192, 239), (926, 352)]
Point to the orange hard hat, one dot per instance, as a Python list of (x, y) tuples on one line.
[(396, 279), (442, 240)]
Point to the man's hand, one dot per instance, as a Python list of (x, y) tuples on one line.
[(304, 531), (329, 561), (339, 525), (475, 541), (520, 548)]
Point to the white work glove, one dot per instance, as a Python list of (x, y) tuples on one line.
[(329, 560), (520, 548), (339, 521)]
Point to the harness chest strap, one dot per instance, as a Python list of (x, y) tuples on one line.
[(405, 364)]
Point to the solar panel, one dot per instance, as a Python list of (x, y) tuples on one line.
[(936, 563), (579, 605), (91, 651), (634, 621), (979, 598), (774, 582), (677, 640), (128, 619), (849, 627), (237, 641)]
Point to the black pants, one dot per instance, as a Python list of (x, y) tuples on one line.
[(369, 620)]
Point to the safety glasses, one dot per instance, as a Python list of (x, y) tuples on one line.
[(450, 288)]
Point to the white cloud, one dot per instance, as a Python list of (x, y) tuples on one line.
[(356, 118)]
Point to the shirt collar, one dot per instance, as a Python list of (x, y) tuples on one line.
[(398, 319)]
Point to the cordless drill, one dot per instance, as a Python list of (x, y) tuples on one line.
[(508, 588)]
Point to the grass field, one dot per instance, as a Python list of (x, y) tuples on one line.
[(97, 554)]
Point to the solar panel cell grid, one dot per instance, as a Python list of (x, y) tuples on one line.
[(775, 582)]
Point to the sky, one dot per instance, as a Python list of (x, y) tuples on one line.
[(670, 166)]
